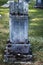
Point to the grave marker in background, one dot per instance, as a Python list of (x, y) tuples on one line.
[(39, 4)]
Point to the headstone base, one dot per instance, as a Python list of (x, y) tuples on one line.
[(18, 52)]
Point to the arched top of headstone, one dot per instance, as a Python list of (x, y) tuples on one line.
[(20, 6)]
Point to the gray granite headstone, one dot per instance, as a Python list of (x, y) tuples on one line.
[(18, 47)]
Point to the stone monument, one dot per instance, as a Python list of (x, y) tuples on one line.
[(18, 46), (39, 4)]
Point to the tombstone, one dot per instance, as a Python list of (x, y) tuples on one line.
[(18, 46), (39, 4), (6, 4)]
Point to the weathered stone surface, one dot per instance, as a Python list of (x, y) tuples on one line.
[(18, 28), (21, 7)]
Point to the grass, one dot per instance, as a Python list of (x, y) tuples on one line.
[(35, 30)]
